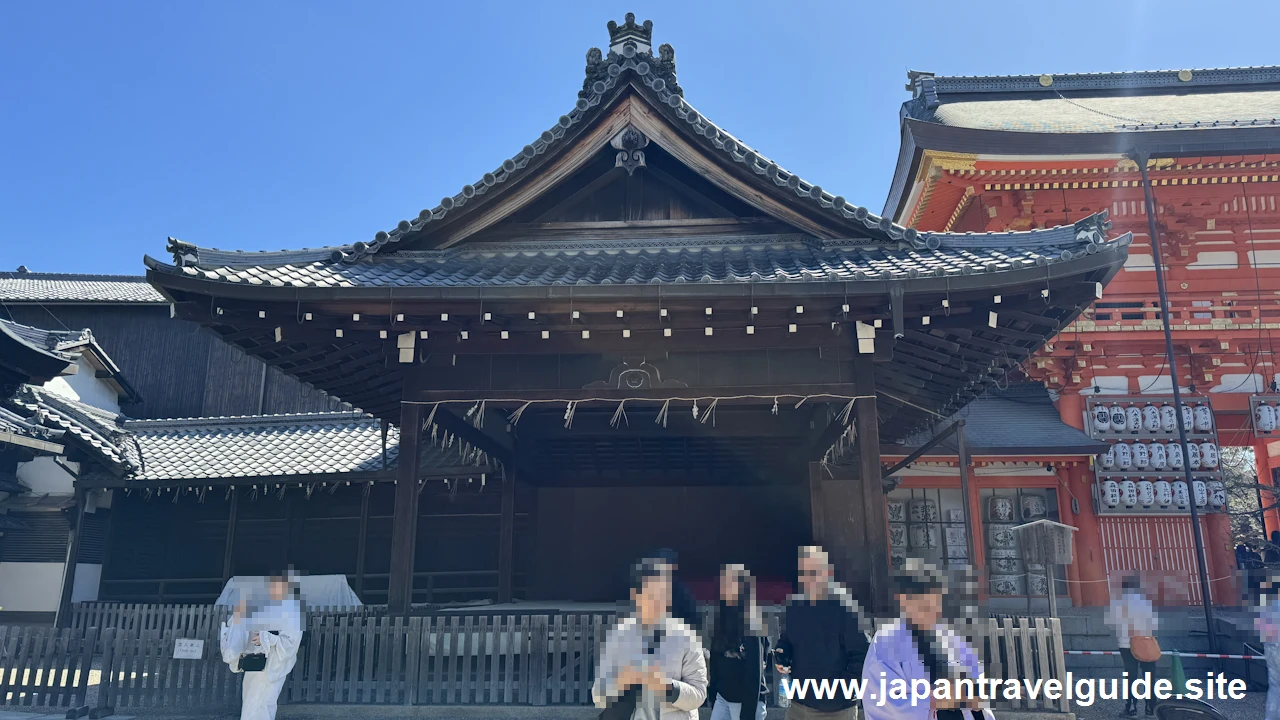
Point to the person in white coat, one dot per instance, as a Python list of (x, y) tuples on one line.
[(273, 630), (651, 666)]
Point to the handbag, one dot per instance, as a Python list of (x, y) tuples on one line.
[(622, 708), (1144, 648), (253, 662)]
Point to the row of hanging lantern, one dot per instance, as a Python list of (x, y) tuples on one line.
[(1159, 456), (1162, 494), (1150, 418), (1266, 415)]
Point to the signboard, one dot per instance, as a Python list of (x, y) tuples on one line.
[(184, 649)]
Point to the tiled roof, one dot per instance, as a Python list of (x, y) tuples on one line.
[(271, 445), (655, 76), (1113, 114), (1018, 419), (692, 260), (25, 287), (1101, 102), (93, 427), (53, 342)]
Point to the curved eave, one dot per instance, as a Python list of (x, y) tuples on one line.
[(25, 363), (1109, 256), (920, 135)]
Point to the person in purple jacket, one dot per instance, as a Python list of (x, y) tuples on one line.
[(918, 646)]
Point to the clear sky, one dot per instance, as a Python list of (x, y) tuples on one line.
[(266, 124)]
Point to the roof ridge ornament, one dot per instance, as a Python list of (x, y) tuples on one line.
[(629, 32)]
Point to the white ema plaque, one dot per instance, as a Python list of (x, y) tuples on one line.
[(184, 649)]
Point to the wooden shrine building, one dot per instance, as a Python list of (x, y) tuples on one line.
[(653, 335)]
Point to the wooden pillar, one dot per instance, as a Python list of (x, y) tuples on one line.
[(404, 520), (506, 536), (1090, 565), (1262, 460), (873, 502), (73, 555), (229, 548), (962, 460), (1219, 548), (362, 543)]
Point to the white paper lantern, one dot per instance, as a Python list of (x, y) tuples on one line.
[(1118, 421), (1129, 493), (1107, 460), (1150, 418), (1265, 417), (1175, 455), (1146, 493), (1168, 418), (1159, 457), (1164, 492), (1180, 496), (1101, 418), (1208, 455), (1204, 418), (1111, 494), (1188, 418), (1201, 493), (1124, 456), (1193, 456), (1133, 418), (1141, 456)]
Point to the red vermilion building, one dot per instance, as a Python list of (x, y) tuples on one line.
[(994, 154)]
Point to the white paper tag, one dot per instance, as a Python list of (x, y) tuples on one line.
[(184, 649)]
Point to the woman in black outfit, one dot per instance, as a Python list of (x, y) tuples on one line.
[(738, 648)]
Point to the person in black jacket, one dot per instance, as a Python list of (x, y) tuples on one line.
[(684, 606), (737, 649), (823, 639)]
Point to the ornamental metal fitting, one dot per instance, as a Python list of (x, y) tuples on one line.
[(630, 144)]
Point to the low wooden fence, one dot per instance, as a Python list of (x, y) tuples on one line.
[(360, 657), (45, 667)]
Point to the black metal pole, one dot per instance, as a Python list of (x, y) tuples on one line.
[(1201, 565)]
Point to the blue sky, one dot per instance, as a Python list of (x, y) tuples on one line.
[(271, 124)]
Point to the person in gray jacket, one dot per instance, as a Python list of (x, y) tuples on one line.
[(650, 658)]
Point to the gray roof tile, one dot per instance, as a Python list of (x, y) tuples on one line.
[(1019, 419), (1100, 102), (271, 445), (93, 427), (26, 287), (792, 258)]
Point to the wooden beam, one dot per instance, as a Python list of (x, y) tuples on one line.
[(506, 536), (362, 544), (63, 617), (679, 186), (876, 524), (229, 546), (752, 394), (597, 184), (405, 516)]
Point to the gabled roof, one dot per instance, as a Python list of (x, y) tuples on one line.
[(56, 351), (29, 354), (66, 288), (286, 446)]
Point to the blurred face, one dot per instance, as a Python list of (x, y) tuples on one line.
[(924, 610), (654, 599), (279, 588), (730, 587), (814, 577)]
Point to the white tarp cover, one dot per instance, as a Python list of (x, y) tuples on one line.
[(317, 590)]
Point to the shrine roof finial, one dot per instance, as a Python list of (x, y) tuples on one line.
[(629, 31)]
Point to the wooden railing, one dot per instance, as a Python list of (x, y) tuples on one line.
[(362, 656)]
